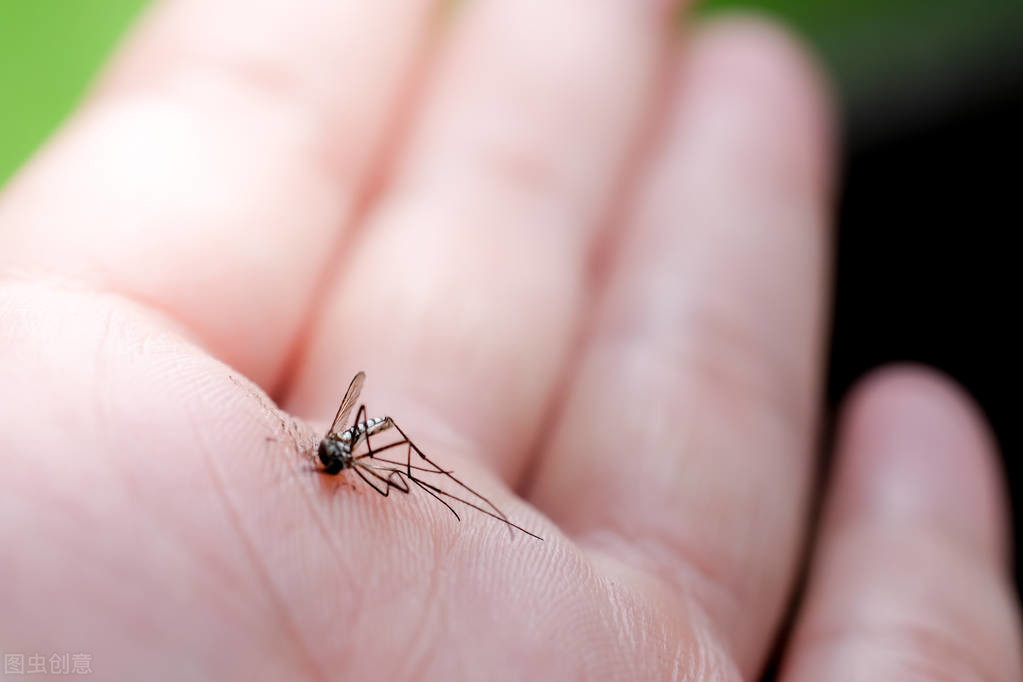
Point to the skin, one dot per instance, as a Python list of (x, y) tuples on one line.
[(584, 264)]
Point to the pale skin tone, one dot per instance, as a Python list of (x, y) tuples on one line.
[(583, 262)]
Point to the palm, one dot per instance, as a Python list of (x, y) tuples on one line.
[(642, 395)]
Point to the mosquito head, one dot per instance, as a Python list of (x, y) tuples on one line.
[(334, 455)]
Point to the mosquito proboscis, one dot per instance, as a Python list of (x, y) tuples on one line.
[(337, 452)]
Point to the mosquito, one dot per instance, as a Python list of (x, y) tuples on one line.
[(337, 452)]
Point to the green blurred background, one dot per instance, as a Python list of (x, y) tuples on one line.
[(49, 51), (894, 61)]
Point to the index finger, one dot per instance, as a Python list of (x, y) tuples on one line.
[(211, 174)]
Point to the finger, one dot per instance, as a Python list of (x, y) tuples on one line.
[(211, 172), (465, 292), (910, 579), (686, 441)]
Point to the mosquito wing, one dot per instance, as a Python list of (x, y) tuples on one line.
[(351, 397)]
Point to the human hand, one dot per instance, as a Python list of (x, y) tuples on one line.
[(584, 268)]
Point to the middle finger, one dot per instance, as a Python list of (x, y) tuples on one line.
[(465, 291)]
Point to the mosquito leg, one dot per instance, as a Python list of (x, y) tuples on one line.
[(438, 491), (397, 463), (401, 484), (381, 449), (413, 446), (360, 418), (398, 479), (405, 488), (436, 497), (369, 446), (385, 492), (408, 454)]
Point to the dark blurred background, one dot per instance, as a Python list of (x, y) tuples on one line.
[(930, 92), (932, 97)]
